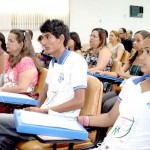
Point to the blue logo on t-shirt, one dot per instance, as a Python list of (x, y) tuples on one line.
[(61, 77)]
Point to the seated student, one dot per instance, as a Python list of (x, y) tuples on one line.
[(21, 70), (66, 81), (129, 35), (130, 68), (130, 114), (43, 56), (74, 43), (3, 54), (36, 45), (98, 56), (126, 42), (115, 45)]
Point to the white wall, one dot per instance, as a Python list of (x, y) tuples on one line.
[(108, 14)]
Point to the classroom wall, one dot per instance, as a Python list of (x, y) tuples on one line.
[(108, 14)]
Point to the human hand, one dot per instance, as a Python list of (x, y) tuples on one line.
[(93, 71), (35, 109), (79, 118), (100, 72)]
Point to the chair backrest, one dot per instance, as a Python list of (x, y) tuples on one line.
[(93, 100), (85, 47), (125, 57), (116, 66), (41, 81), (93, 97)]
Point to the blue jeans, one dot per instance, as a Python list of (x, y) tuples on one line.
[(8, 134)]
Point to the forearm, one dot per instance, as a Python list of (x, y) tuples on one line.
[(102, 120), (43, 96), (68, 106), (15, 89)]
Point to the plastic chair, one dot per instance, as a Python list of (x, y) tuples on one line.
[(116, 65), (41, 81), (85, 47), (93, 100), (125, 57)]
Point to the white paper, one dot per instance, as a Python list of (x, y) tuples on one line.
[(9, 94), (52, 138), (35, 118)]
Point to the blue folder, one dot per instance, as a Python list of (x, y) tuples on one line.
[(49, 131), (17, 99), (107, 78)]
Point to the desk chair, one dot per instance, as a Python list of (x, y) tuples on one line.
[(93, 100), (41, 81), (116, 66), (125, 57), (85, 47)]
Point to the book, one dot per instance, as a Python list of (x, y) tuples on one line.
[(19, 99), (49, 125)]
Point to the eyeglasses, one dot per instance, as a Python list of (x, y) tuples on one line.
[(93, 36)]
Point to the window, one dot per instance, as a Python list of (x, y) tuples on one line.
[(30, 15)]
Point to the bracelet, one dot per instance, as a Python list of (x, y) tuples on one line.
[(85, 121)]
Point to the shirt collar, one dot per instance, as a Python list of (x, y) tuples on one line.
[(62, 58), (141, 78)]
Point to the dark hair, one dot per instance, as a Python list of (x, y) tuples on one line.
[(27, 49), (124, 30), (103, 34), (131, 32), (144, 34), (56, 27), (75, 37), (2, 39), (39, 38)]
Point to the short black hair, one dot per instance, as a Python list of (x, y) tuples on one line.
[(56, 27), (124, 30)]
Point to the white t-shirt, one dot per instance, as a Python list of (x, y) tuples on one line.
[(65, 76), (131, 131)]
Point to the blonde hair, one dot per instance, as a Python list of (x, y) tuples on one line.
[(117, 35)]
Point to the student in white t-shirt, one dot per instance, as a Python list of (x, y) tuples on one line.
[(130, 116), (66, 82)]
